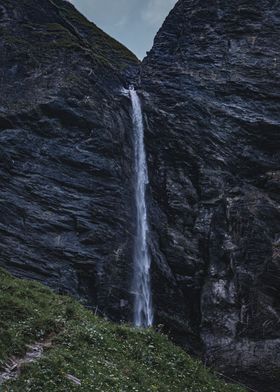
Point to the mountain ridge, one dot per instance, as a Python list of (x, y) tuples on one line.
[(210, 102)]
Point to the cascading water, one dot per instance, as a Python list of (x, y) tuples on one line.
[(143, 311)]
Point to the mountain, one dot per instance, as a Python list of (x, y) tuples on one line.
[(65, 152), (210, 98)]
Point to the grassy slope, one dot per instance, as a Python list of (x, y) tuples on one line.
[(104, 356)]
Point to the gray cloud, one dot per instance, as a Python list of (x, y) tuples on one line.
[(156, 10)]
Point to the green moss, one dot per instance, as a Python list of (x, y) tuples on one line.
[(104, 356)]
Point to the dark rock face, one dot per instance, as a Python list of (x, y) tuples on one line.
[(211, 94), (65, 148)]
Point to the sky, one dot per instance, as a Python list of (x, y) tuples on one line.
[(132, 22)]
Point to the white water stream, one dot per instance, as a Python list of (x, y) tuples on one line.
[(141, 285)]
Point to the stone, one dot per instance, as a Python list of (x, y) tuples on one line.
[(211, 102)]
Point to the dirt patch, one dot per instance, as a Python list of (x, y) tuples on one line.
[(12, 368)]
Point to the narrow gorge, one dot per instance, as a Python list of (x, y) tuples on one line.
[(158, 206)]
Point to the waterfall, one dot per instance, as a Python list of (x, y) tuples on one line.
[(141, 285)]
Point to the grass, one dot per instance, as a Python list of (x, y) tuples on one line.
[(104, 356)]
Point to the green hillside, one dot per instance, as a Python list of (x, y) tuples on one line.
[(101, 355)]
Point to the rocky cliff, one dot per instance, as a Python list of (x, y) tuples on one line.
[(65, 147), (210, 94)]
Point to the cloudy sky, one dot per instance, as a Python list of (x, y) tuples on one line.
[(132, 22)]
